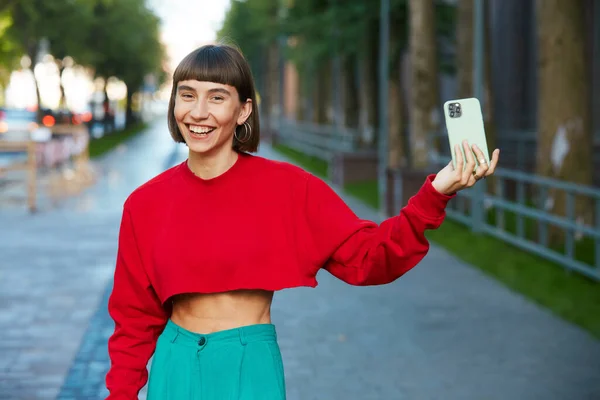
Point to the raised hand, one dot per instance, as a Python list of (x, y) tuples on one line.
[(450, 180)]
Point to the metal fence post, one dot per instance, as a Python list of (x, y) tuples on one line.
[(384, 29), (477, 197), (477, 206), (478, 43)]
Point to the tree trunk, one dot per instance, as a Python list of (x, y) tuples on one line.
[(62, 103), (350, 99), (488, 92), (396, 149), (270, 95), (371, 75), (322, 94), (464, 50), (367, 94), (32, 53), (465, 67), (129, 117), (564, 129), (424, 115), (302, 112), (273, 83), (396, 153)]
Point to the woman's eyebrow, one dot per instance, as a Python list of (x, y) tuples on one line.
[(185, 87), (220, 90)]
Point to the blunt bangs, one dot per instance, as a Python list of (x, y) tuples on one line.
[(213, 64)]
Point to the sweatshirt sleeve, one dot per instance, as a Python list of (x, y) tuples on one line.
[(138, 315), (361, 252)]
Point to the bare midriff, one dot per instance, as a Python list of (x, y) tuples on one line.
[(213, 312)]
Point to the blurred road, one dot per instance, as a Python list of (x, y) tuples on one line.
[(444, 331)]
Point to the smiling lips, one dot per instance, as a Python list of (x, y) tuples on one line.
[(200, 131)]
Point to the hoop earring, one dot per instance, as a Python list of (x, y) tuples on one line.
[(247, 133)]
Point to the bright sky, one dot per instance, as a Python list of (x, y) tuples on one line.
[(188, 24)]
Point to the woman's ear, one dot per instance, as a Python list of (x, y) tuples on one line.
[(245, 112)]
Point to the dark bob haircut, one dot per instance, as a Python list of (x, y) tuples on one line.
[(226, 65)]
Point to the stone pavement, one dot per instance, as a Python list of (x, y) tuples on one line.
[(444, 331)]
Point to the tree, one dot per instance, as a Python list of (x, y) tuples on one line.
[(564, 119), (424, 91), (59, 22), (125, 40), (397, 156), (9, 49), (343, 33), (72, 22)]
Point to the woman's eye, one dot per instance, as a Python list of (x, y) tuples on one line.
[(218, 98), (186, 96)]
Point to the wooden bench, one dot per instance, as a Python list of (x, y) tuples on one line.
[(68, 144)]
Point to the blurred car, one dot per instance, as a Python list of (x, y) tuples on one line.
[(17, 124), (65, 117)]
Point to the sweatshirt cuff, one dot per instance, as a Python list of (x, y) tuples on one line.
[(429, 201)]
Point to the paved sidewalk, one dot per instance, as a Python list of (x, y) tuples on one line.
[(444, 331)]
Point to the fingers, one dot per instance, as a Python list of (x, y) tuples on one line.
[(477, 175), (493, 163), (483, 164), (460, 163), (467, 172), (470, 166)]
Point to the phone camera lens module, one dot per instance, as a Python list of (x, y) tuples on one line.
[(452, 114)]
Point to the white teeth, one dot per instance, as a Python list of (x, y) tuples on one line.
[(200, 129)]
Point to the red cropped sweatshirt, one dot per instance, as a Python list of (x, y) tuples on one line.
[(262, 224)]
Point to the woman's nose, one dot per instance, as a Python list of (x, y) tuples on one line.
[(200, 110)]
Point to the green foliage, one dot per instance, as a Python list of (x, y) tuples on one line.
[(125, 40), (320, 28), (59, 22), (70, 22), (107, 143), (251, 25), (315, 165), (9, 49), (115, 37)]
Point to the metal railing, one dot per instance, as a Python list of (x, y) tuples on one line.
[(321, 141), (519, 148), (488, 213)]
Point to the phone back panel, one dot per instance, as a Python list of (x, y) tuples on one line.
[(464, 120)]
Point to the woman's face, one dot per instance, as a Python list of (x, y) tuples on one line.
[(208, 113)]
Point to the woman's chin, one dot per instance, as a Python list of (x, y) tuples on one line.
[(207, 147), (200, 148)]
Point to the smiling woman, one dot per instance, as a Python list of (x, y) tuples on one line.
[(204, 245), (215, 78)]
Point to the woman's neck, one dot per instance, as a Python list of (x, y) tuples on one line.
[(209, 167)]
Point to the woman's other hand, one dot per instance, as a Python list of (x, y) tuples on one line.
[(450, 180)]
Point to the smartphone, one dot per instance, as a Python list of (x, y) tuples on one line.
[(464, 120)]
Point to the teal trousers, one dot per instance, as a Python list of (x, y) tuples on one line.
[(235, 364)]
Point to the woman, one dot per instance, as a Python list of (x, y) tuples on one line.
[(204, 245)]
